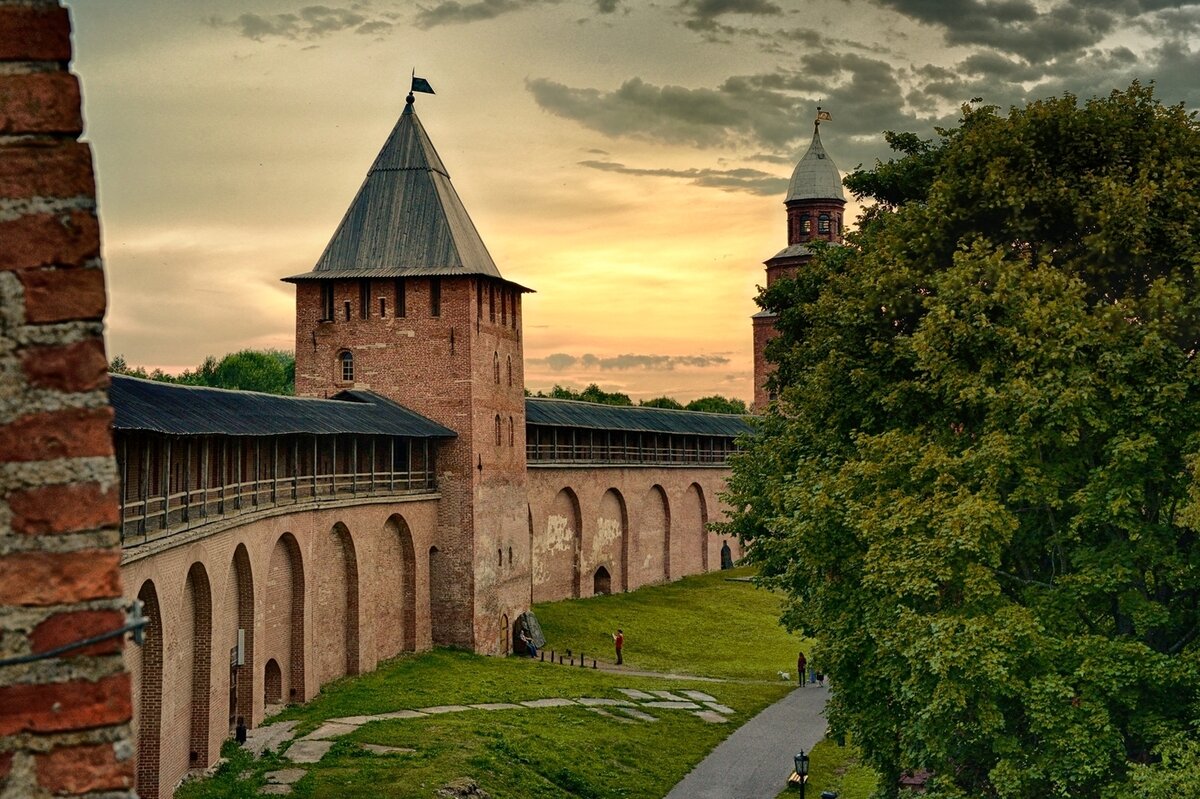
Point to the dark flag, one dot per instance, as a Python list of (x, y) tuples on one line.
[(421, 85)]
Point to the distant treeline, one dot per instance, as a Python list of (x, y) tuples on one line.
[(274, 372)]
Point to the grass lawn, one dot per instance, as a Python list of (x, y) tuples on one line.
[(836, 768), (545, 752), (704, 625)]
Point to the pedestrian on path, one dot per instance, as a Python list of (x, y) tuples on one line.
[(619, 643), (801, 666)]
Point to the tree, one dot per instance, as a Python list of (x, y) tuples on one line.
[(662, 402), (718, 404), (979, 485), (269, 371)]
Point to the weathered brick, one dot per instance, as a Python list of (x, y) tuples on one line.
[(50, 578), (63, 295), (40, 102), (6, 759), (82, 769), (65, 628), (73, 367), (70, 238), (72, 433), (74, 705), (59, 169), (34, 34), (63, 508)]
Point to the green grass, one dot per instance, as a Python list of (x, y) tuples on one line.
[(703, 625), (836, 768)]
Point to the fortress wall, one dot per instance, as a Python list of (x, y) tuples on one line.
[(329, 591), (640, 524)]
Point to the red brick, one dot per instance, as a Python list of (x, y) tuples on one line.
[(34, 34), (63, 508), (6, 759), (50, 578), (34, 241), (40, 102), (63, 295), (60, 169), (74, 367), (73, 433), (65, 628), (82, 769), (75, 705)]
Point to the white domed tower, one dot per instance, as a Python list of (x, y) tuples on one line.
[(815, 203)]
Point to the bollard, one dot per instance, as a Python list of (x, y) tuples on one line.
[(543, 657), (551, 655), (593, 663), (241, 730), (581, 660)]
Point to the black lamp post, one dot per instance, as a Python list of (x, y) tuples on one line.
[(802, 770)]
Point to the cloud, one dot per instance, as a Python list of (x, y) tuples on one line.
[(452, 12), (561, 361), (703, 14), (310, 22), (607, 6), (751, 181)]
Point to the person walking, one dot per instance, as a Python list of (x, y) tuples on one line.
[(619, 643), (801, 667)]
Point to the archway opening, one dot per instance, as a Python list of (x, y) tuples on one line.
[(601, 581), (273, 683), (199, 599), (396, 603), (149, 711), (441, 602), (241, 641)]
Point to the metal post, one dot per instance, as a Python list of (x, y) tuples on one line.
[(145, 487), (391, 463), (354, 465), (167, 487), (205, 446), (124, 480), (314, 474)]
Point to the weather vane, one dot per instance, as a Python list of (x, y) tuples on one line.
[(418, 85)]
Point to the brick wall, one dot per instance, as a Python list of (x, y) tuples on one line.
[(64, 722)]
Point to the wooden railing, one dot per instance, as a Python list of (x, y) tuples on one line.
[(537, 454), (160, 516)]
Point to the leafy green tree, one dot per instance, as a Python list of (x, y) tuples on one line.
[(270, 371), (593, 393), (662, 402), (979, 485), (718, 404)]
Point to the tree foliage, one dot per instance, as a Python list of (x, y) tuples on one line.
[(593, 393), (979, 485), (269, 371)]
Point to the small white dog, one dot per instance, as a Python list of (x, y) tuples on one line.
[(783, 675)]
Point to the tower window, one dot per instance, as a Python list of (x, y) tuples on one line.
[(511, 434), (346, 310), (823, 223), (806, 225), (326, 302), (504, 307), (496, 367), (383, 307), (401, 298), (435, 297), (491, 303), (510, 370), (346, 366), (497, 430), (479, 300), (514, 310), (364, 299)]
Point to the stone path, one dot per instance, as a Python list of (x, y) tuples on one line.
[(754, 762), (313, 746)]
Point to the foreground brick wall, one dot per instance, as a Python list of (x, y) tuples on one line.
[(63, 721)]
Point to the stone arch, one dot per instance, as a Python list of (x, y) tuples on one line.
[(337, 622), (654, 536), (561, 547), (441, 599), (239, 597), (198, 599), (691, 545), (148, 712), (601, 582), (396, 598), (611, 543), (284, 626), (273, 683)]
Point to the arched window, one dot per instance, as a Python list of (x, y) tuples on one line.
[(346, 366), (823, 223), (805, 225), (510, 370), (511, 434), (479, 300), (496, 367), (497, 430), (491, 303), (504, 307)]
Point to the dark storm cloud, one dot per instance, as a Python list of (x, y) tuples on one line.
[(310, 22), (451, 12), (772, 110), (561, 361), (750, 181), (607, 6)]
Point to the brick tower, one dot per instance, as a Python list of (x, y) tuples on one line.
[(815, 203), (406, 302)]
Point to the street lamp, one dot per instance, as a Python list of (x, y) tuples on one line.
[(802, 770)]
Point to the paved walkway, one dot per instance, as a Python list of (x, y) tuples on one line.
[(754, 762)]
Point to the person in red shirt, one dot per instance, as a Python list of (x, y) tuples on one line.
[(619, 643)]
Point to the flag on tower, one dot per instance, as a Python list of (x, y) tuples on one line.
[(421, 85), (824, 116)]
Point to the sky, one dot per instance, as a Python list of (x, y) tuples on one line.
[(626, 160)]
